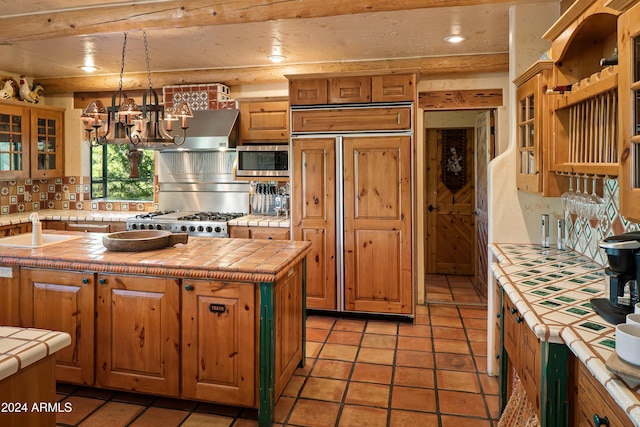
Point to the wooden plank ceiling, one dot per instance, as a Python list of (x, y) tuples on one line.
[(34, 22)]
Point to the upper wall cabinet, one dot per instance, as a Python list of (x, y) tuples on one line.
[(47, 142), (629, 92), (585, 104), (352, 89), (534, 132), (31, 141), (264, 120)]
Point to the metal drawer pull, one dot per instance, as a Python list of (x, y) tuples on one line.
[(513, 310), (600, 421), (519, 319)]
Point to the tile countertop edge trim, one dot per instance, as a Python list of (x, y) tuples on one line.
[(51, 342), (62, 215), (217, 273), (544, 332), (615, 386)]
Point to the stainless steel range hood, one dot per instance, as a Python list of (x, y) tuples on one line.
[(209, 130)]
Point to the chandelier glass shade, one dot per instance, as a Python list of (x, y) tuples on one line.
[(124, 122)]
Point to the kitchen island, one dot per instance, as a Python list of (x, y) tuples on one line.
[(548, 331), (216, 320)]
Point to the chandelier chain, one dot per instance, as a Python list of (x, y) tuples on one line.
[(146, 53), (124, 50)]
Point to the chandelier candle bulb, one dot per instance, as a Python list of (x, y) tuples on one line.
[(545, 230)]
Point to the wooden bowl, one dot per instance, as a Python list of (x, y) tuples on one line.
[(142, 240)]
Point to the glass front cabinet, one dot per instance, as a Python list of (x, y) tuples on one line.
[(533, 131), (31, 141), (629, 104), (14, 142), (47, 143)]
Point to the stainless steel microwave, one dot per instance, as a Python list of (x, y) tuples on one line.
[(262, 160)]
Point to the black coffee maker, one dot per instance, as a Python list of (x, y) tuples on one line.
[(622, 274)]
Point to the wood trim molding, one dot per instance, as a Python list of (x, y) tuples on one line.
[(460, 99), (428, 66)]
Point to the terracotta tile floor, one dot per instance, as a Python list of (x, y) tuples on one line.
[(451, 288), (357, 373)]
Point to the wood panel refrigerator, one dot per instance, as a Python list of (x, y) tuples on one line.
[(352, 198)]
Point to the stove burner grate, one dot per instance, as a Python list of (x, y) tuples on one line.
[(150, 215), (210, 216)]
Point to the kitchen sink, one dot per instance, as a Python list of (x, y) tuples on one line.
[(24, 240)]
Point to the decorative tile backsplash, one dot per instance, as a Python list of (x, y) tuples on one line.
[(68, 193), (584, 238), (211, 96)]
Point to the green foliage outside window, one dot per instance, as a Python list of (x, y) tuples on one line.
[(110, 174)]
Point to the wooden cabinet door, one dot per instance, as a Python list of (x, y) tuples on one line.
[(63, 301), (288, 312), (629, 93), (48, 142), (308, 92), (15, 142), (511, 330), (264, 121), (218, 342), (348, 90), (313, 215), (10, 297), (393, 88), (530, 356), (138, 333), (377, 224), (529, 111), (592, 399)]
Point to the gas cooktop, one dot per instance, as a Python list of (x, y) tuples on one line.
[(211, 224)]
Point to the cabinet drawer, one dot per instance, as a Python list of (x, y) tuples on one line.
[(308, 92), (352, 119), (593, 399), (346, 90), (393, 88), (88, 227), (270, 233)]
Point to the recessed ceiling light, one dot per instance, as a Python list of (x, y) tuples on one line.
[(88, 68), (456, 38), (276, 58)]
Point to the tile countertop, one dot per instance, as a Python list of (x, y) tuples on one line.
[(201, 257), (21, 347), (552, 289), (261, 221)]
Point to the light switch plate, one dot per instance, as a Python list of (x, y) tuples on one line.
[(6, 272)]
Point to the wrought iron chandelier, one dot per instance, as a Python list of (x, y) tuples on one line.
[(124, 122)]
